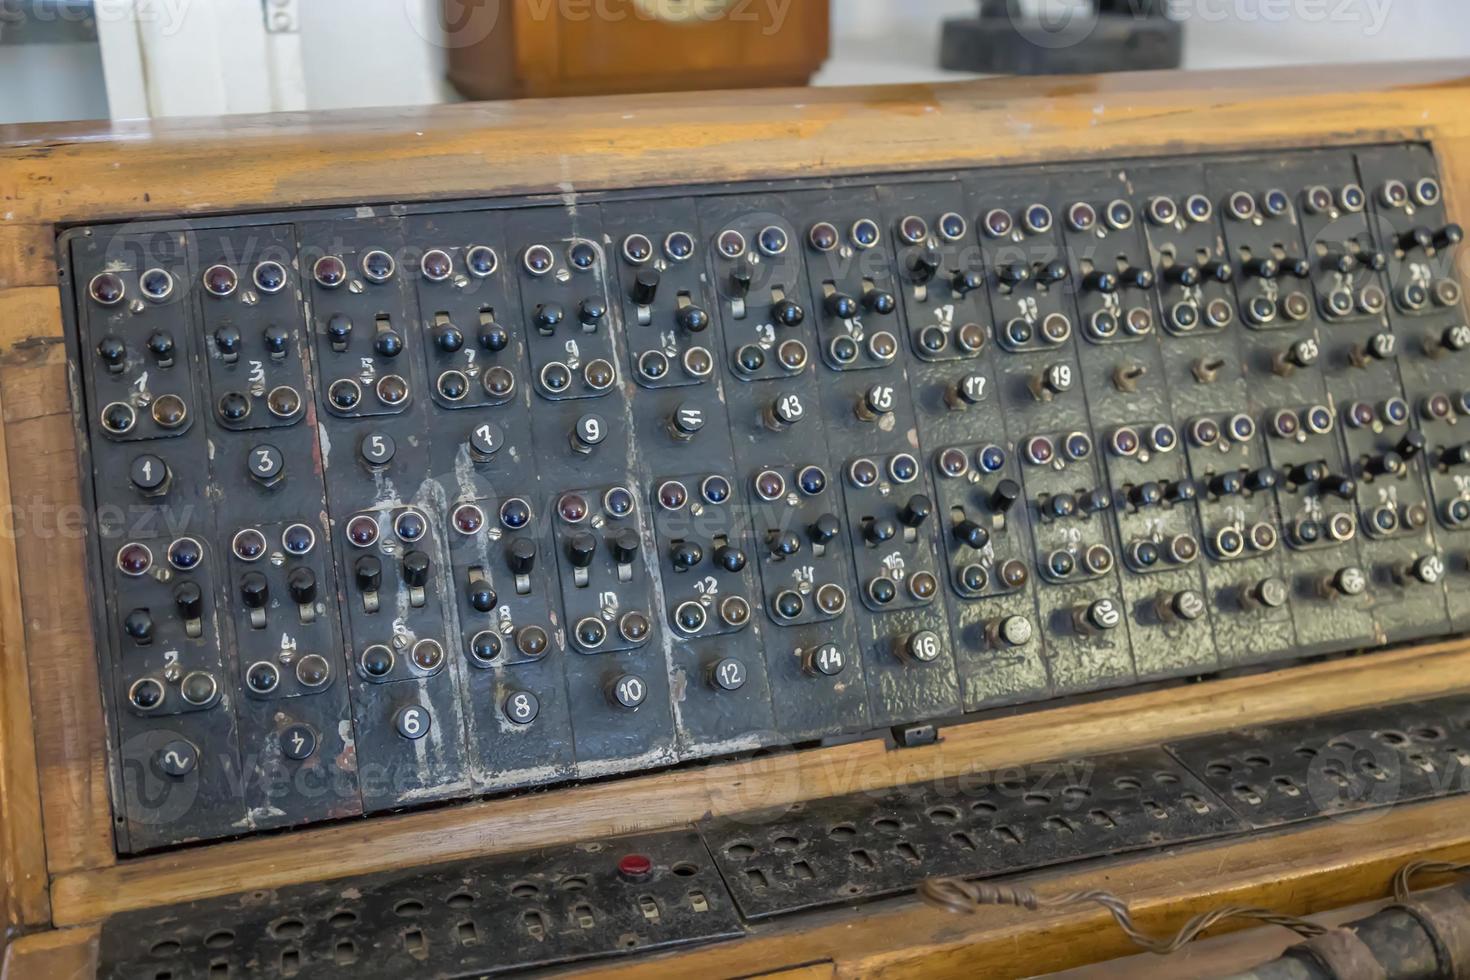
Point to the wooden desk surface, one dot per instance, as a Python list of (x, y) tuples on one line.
[(56, 855)]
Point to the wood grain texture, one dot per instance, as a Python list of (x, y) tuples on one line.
[(24, 900), (1311, 868), (663, 800), (74, 173)]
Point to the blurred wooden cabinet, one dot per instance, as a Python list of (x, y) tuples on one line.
[(526, 48)]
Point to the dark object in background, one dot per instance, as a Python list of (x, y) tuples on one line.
[(500, 49), (1122, 35)]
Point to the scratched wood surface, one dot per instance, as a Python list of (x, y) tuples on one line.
[(53, 787)]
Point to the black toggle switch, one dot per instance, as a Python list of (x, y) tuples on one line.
[(972, 535), (493, 337), (1262, 479), (581, 549), (1184, 274), (1061, 505), (1377, 261), (692, 319), (448, 338), (1007, 494), (1145, 494), (1270, 593), (1416, 237), (741, 279), (841, 306), (1186, 606), (228, 342), (1262, 267), (730, 558), (880, 530), (388, 343), (1386, 464), (1449, 236), (416, 569), (625, 546), (1297, 268), (788, 313), (1342, 487), (879, 301), (591, 312), (1094, 501), (521, 556), (686, 555), (1101, 281), (645, 287), (302, 585), (1346, 582), (964, 283), (916, 511), (1137, 277), (1426, 570), (824, 529), (138, 625), (1099, 616), (1227, 484), (1053, 272), (548, 317), (277, 340), (482, 595), (784, 544), (1412, 444), (255, 591), (923, 266), (189, 600), (1313, 472), (161, 346), (369, 573), (1456, 455), (1014, 273), (1181, 491), (1343, 263), (113, 352), (1220, 271)]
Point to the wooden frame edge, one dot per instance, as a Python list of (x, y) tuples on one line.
[(688, 794)]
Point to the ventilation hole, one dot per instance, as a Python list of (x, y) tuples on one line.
[(409, 907), (342, 919), (219, 969), (1155, 810), (460, 900), (889, 825), (686, 870), (1076, 792), (943, 814), (698, 902), (1257, 761), (740, 850), (908, 852), (1428, 734), (628, 942), (984, 808), (756, 878), (649, 907), (1247, 793), (166, 948), (1286, 785), (1165, 778), (534, 922), (345, 952), (964, 840), (1060, 825), (414, 942), (1103, 819), (803, 869), (582, 912), (863, 859), (1342, 744), (288, 929), (572, 883), (1392, 737), (290, 962), (852, 889), (1128, 784), (1195, 803), (1036, 799), (1421, 762), (1011, 785), (843, 831), (525, 889), (1006, 834), (1306, 752), (786, 843), (219, 940), (1218, 769)]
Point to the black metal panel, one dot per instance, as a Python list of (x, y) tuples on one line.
[(1339, 764), (836, 850), (536, 909)]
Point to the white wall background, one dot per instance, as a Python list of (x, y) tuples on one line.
[(384, 52)]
